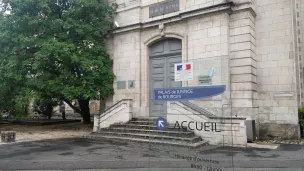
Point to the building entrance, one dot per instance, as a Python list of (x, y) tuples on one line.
[(163, 55)]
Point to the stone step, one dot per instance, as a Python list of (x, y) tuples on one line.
[(193, 139), (152, 127), (142, 122), (148, 131), (150, 141), (145, 119)]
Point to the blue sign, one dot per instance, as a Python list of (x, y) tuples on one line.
[(131, 84), (187, 93), (161, 123), (212, 73)]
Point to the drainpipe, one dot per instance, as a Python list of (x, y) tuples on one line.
[(140, 65)]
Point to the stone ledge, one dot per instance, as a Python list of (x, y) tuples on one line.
[(263, 145), (282, 141)]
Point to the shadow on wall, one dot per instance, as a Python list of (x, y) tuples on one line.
[(278, 131)]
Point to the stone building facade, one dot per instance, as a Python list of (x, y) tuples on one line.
[(256, 46)]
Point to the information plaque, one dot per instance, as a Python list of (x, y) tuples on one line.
[(121, 84), (205, 80), (163, 8)]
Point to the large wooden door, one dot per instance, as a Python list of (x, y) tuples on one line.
[(163, 56)]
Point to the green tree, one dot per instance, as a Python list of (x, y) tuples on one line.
[(45, 106), (57, 48), (14, 96)]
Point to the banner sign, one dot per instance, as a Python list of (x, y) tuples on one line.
[(183, 71), (187, 93)]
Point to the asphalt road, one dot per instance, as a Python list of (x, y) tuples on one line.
[(87, 155)]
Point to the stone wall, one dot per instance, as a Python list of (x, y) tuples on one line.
[(121, 112), (125, 51), (276, 72), (229, 131), (243, 64), (207, 39)]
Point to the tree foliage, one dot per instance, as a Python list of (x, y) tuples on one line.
[(56, 48), (301, 116), (45, 106)]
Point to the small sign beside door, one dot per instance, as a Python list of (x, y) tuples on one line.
[(183, 71), (121, 84), (205, 80), (131, 84)]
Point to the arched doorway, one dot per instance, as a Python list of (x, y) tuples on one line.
[(162, 57)]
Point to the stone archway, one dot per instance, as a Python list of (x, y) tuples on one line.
[(162, 57)]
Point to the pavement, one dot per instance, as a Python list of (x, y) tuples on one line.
[(104, 155), (301, 141)]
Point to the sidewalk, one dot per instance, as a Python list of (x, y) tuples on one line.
[(282, 141), (26, 133)]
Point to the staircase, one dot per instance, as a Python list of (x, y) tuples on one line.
[(145, 131)]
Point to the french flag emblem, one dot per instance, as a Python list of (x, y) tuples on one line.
[(183, 67)]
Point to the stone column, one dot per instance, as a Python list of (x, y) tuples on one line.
[(243, 64), (96, 123)]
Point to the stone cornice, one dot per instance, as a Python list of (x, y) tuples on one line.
[(210, 9), (227, 6), (245, 6)]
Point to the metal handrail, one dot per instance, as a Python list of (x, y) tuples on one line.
[(200, 110)]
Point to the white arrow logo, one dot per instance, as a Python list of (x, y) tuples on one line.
[(160, 124)]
